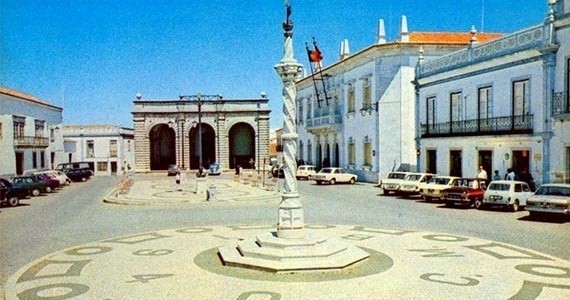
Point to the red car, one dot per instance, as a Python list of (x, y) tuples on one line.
[(51, 183), (465, 192)]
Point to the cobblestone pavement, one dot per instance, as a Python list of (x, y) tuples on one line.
[(182, 262)]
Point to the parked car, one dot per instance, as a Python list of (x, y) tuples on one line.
[(465, 192), (10, 195), (392, 182), (334, 175), (433, 188), (33, 186), (505, 193), (58, 175), (214, 169), (305, 171), (553, 198), (51, 183), (76, 171), (411, 183), (173, 170)]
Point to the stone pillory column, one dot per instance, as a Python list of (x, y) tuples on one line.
[(290, 249), (290, 223)]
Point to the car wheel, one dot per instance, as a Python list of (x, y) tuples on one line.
[(332, 181), (36, 192), (352, 180), (515, 206), (448, 204), (479, 204), (48, 189), (13, 201), (427, 199)]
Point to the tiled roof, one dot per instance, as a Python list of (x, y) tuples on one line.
[(23, 96), (450, 37)]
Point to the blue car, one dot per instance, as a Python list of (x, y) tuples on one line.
[(214, 169)]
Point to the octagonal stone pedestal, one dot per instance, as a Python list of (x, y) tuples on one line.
[(271, 253)]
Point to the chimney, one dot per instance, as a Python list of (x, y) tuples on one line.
[(404, 34), (381, 32), (344, 50)]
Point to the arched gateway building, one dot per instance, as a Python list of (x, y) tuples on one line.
[(233, 132)]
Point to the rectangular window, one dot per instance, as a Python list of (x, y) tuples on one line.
[(351, 104), (19, 124), (113, 148), (485, 103), (40, 125), (430, 119), (367, 153), (309, 108), (521, 98), (367, 96), (102, 166), (351, 154), (90, 148), (309, 151), (455, 107), (300, 112)]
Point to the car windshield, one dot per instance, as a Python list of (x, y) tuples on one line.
[(553, 191), (499, 187), (413, 177), (396, 176), (326, 170), (439, 180)]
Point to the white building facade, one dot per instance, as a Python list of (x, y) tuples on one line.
[(366, 124), (500, 104), (108, 149), (29, 133)]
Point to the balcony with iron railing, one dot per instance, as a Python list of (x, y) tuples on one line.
[(561, 105), (31, 142), (489, 126), (332, 121)]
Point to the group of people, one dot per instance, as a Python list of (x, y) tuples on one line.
[(524, 176)]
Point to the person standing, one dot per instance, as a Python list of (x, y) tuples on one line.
[(510, 174), (482, 173), (496, 176)]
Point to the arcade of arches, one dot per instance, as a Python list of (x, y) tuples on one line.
[(233, 132)]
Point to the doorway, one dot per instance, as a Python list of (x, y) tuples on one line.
[(455, 167), (486, 160), (19, 163)]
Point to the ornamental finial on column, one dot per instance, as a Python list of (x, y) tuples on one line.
[(288, 24)]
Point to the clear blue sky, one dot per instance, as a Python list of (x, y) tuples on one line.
[(92, 56)]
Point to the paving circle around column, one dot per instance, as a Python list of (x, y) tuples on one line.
[(183, 264)]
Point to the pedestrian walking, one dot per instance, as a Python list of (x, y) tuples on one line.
[(178, 181)]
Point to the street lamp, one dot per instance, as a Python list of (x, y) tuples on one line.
[(199, 98)]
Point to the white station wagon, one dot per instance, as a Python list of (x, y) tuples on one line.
[(506, 193), (392, 182), (411, 184)]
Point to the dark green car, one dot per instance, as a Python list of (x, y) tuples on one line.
[(29, 183)]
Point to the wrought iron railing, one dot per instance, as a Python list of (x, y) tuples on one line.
[(31, 142), (324, 121), (560, 103), (499, 125)]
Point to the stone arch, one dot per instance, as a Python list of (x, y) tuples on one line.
[(162, 147), (242, 145), (208, 146)]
